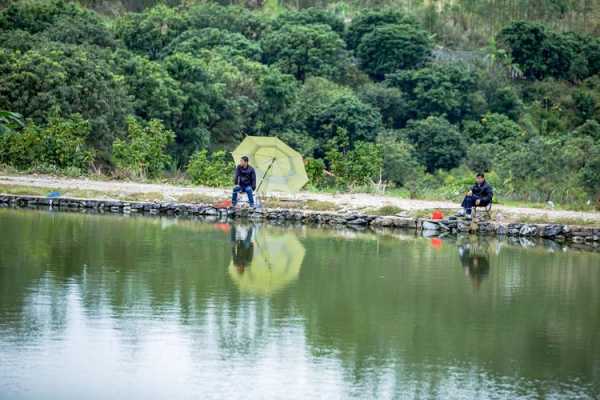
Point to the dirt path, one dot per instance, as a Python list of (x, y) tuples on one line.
[(346, 200)]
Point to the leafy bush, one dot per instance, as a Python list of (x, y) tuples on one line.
[(143, 153), (211, 170), (357, 167), (315, 169), (60, 144)]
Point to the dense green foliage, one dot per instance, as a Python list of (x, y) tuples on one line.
[(211, 170), (366, 96), (143, 152), (60, 144)]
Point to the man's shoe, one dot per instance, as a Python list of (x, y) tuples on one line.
[(468, 217)]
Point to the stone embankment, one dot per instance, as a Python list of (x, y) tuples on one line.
[(559, 232)]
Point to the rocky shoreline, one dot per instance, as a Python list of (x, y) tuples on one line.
[(563, 233)]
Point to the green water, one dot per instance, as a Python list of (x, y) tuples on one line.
[(112, 307)]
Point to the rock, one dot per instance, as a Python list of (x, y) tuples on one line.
[(430, 226), (383, 221), (358, 221), (514, 229), (501, 230), (528, 230), (552, 230), (463, 226)]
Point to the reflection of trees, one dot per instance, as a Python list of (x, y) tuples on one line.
[(403, 300), (371, 302)]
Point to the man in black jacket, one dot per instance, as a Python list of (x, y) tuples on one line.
[(244, 181), (480, 195)]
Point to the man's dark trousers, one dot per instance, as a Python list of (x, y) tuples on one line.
[(469, 202), (245, 189)]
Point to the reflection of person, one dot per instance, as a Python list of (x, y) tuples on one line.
[(480, 195), (475, 263), (244, 181), (242, 249)]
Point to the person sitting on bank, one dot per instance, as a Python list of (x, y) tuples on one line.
[(244, 181), (480, 195)]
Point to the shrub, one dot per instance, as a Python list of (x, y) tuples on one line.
[(211, 170), (143, 154), (315, 169), (60, 144)]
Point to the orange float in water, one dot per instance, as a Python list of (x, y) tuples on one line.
[(436, 243)]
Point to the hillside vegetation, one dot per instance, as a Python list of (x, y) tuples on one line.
[(376, 97)]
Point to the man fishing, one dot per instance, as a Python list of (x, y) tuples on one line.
[(244, 181), (480, 195)]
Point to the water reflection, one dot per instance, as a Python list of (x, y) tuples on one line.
[(475, 260), (264, 263), (98, 302), (242, 250)]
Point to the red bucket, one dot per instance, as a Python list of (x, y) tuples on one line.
[(223, 204)]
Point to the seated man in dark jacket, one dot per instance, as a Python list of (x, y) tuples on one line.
[(244, 181), (480, 195)]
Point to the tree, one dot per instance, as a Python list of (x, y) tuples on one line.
[(228, 43), (388, 48), (156, 95), (277, 93), (368, 20), (73, 80), (231, 18), (543, 53), (360, 121), (222, 99), (84, 28), (310, 16), (494, 129), (400, 163), (437, 142), (480, 156), (143, 153), (303, 51), (37, 16), (390, 102), (449, 89), (506, 100), (151, 31)]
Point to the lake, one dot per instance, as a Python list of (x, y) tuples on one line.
[(116, 307)]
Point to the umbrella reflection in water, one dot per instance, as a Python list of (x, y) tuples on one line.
[(264, 263)]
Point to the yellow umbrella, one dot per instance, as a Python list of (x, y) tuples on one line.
[(279, 167), (274, 264)]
